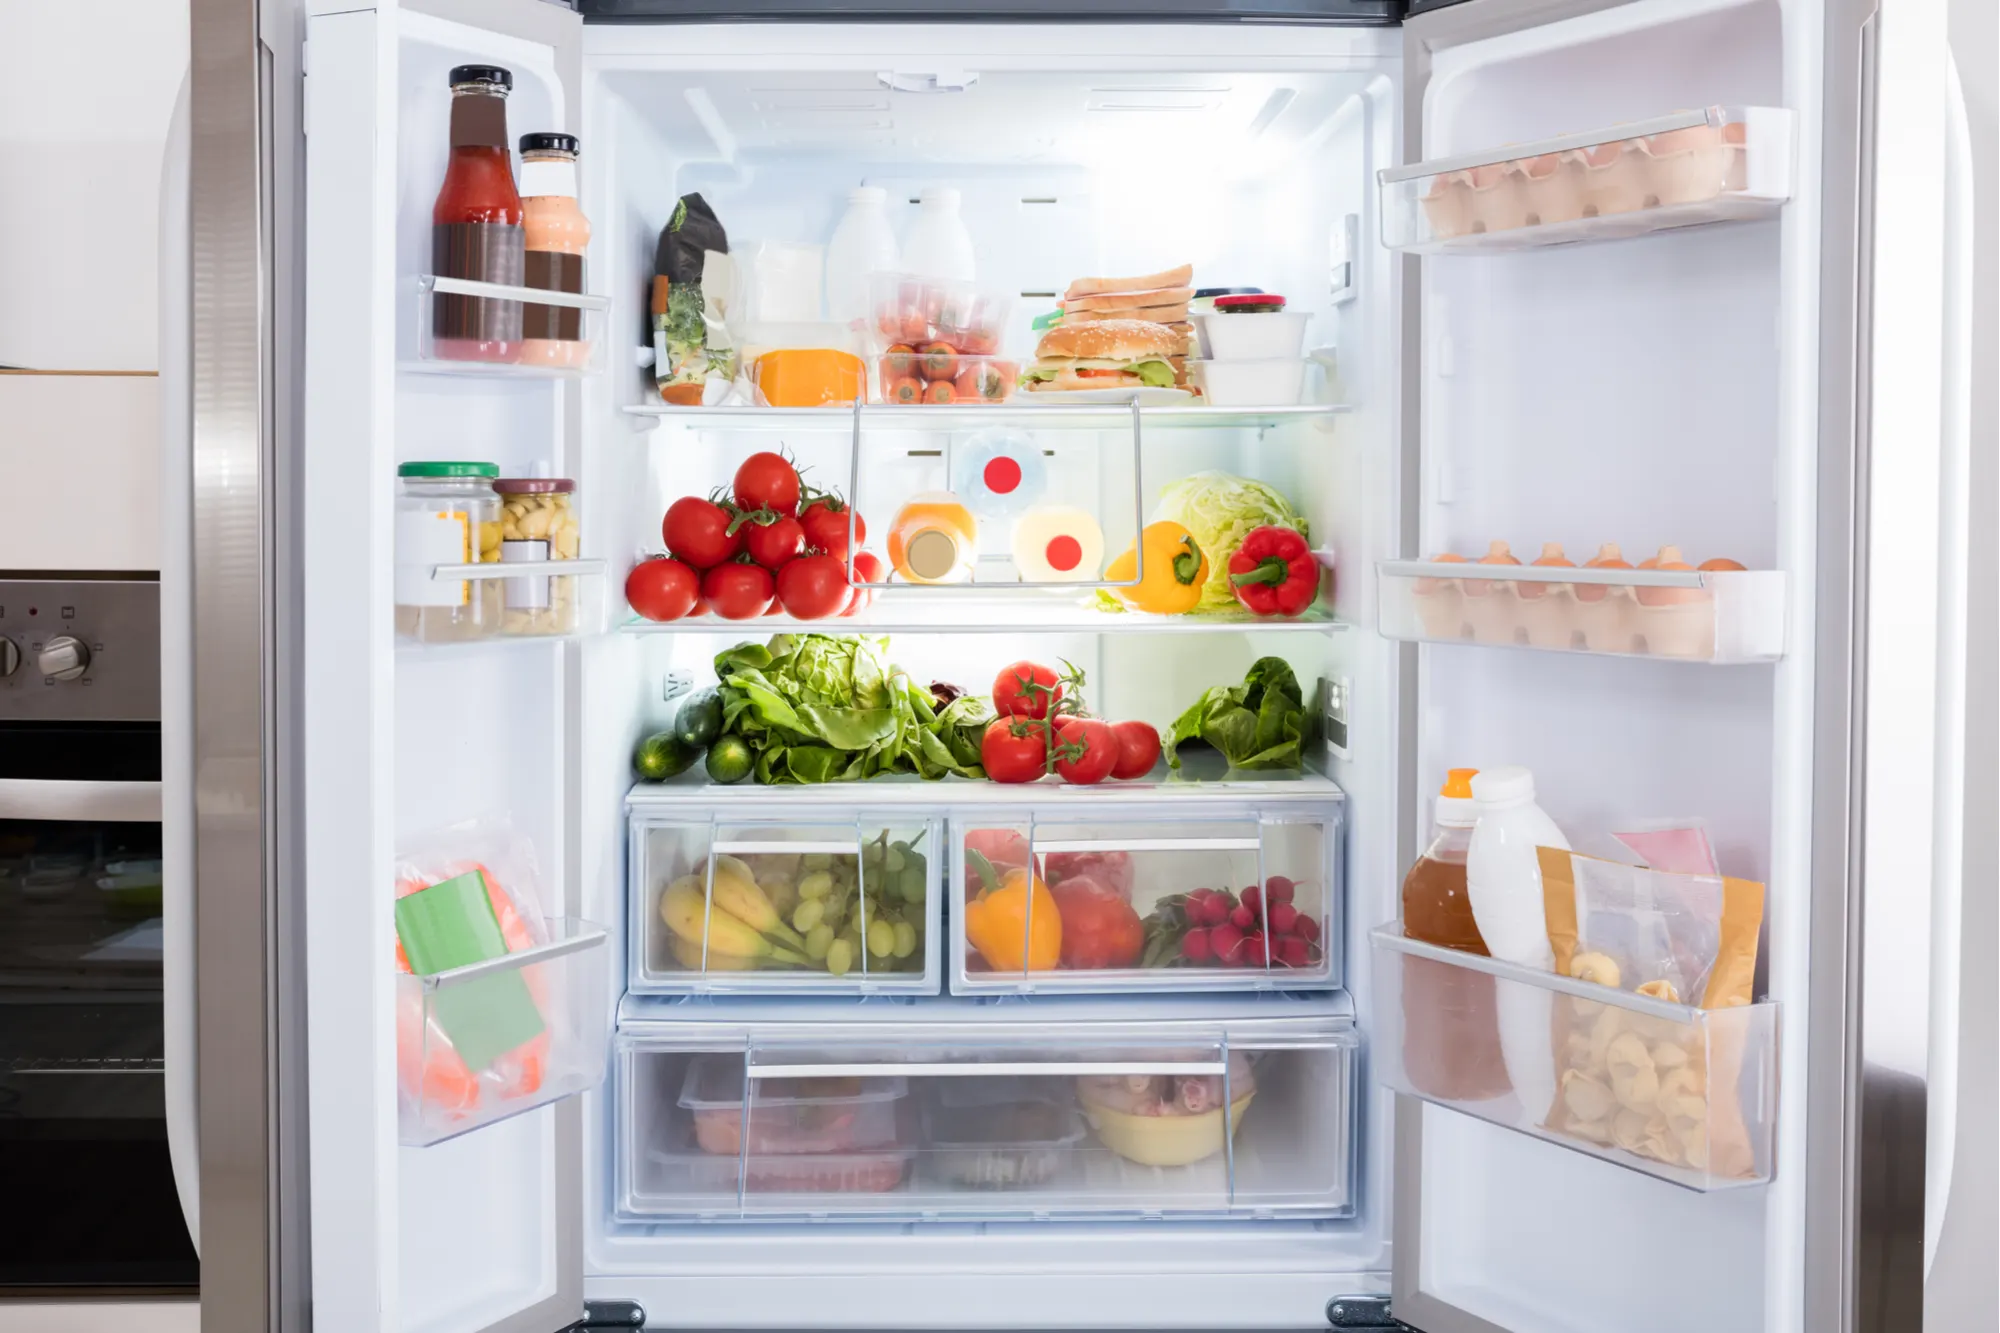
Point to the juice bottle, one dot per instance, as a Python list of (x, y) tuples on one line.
[(556, 234), (1451, 1029), (476, 224), (933, 539), (1058, 544)]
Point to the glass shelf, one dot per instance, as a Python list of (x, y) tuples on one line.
[(1104, 416), (975, 611), (1203, 777)]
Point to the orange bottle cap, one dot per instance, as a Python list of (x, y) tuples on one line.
[(1458, 782)]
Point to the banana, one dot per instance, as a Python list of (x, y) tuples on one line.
[(682, 907), (736, 892), (688, 954)]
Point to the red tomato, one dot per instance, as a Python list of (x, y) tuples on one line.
[(738, 591), (814, 586), (1138, 749), (768, 481), (1014, 750), (938, 363), (701, 606), (868, 568), (825, 525), (772, 544), (904, 391), (1012, 695), (1109, 870), (662, 589), (1099, 928), (1096, 754), (697, 531), (900, 361)]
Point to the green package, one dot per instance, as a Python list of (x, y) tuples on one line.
[(451, 925)]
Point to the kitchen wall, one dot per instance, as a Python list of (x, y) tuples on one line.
[(86, 94)]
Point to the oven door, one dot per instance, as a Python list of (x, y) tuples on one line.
[(88, 1205)]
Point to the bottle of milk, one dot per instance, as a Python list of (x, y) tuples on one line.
[(1503, 880)]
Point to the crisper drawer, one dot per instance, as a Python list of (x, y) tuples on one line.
[(1159, 900), (1687, 1095), (790, 902), (1176, 1122)]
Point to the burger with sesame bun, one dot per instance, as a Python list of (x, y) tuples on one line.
[(1103, 354)]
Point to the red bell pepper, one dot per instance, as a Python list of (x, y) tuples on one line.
[(1274, 572)]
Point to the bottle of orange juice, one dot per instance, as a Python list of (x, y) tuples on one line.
[(933, 539)]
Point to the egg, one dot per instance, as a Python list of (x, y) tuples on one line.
[(1669, 558), (1497, 553), (1608, 557), (1551, 556)]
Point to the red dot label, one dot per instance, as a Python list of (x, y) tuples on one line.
[(1064, 553), (1001, 476)]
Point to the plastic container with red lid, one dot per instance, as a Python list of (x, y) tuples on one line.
[(1249, 303), (1252, 327)]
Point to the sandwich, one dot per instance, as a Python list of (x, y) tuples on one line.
[(1104, 354), (1159, 298)]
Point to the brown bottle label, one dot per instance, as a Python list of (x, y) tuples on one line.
[(478, 120), (554, 271), (483, 252)]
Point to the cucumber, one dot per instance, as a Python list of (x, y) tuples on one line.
[(663, 755), (699, 721), (729, 760)]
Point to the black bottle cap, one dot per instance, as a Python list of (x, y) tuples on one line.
[(492, 74), (549, 143)]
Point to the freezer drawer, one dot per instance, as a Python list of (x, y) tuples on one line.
[(481, 1043), (826, 900), (1216, 899), (1179, 1123), (1687, 1095)]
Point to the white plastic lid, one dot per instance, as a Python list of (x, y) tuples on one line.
[(1495, 787), (1457, 811), (940, 197), (867, 194)]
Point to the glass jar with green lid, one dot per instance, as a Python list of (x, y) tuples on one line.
[(446, 514)]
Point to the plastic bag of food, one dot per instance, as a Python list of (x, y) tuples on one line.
[(682, 356), (1652, 1085), (466, 894)]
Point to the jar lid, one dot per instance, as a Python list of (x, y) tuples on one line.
[(492, 74), (486, 470), (534, 485), (1209, 293), (1256, 299), (549, 143)]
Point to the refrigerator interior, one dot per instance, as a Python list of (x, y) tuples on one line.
[(1239, 149)]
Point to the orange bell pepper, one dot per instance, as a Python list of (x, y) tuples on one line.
[(1014, 912)]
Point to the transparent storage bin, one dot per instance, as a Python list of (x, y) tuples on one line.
[(1127, 890), (1721, 616), (587, 360), (1158, 1121), (874, 878), (1719, 164), (488, 1041), (1687, 1095)]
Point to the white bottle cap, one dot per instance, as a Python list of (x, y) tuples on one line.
[(867, 194), (1457, 811), (940, 197), (1496, 787)]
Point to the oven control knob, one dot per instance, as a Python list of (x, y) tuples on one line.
[(10, 657), (64, 658)]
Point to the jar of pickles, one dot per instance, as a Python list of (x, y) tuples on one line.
[(537, 524), (446, 514)]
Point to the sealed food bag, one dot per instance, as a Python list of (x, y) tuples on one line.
[(684, 350), (1654, 1086), (1677, 846), (464, 895)]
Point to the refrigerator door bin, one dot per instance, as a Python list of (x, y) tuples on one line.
[(1166, 1123), (488, 1041), (1687, 1095), (1720, 164), (1146, 901), (807, 902), (1718, 616), (571, 358)]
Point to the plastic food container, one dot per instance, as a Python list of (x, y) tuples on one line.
[(808, 377), (912, 311), (936, 375), (1247, 328), (1001, 1133), (1268, 383), (537, 524), (800, 1115), (686, 1170), (446, 514), (1167, 1119)]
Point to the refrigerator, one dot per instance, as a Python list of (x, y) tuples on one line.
[(1769, 371)]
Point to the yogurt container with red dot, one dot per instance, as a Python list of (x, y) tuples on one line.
[(998, 472)]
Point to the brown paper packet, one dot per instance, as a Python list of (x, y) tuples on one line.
[(1725, 1148)]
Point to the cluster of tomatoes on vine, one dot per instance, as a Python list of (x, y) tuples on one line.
[(1042, 728), (771, 543)]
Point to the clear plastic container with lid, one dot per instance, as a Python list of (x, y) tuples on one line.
[(446, 514), (537, 524)]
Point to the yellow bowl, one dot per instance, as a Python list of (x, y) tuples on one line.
[(1164, 1140)]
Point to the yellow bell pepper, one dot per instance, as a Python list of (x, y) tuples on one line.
[(1176, 571), (1014, 910)]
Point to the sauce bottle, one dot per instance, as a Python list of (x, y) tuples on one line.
[(476, 224), (557, 234), (1436, 908)]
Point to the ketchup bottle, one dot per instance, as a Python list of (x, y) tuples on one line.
[(477, 224)]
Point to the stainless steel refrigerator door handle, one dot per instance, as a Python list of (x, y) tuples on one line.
[(81, 802)]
